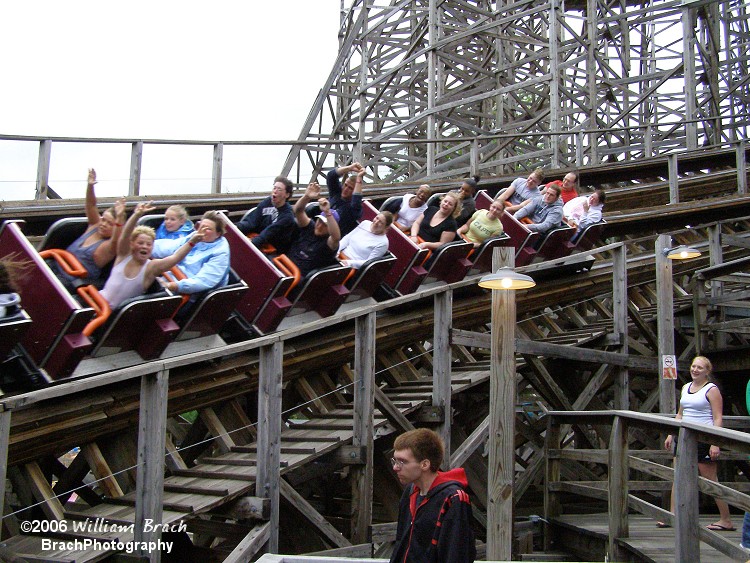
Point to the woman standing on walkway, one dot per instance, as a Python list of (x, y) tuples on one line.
[(701, 402)]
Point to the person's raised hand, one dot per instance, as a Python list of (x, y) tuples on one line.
[(143, 207), (119, 207), (92, 177), (325, 205), (313, 191)]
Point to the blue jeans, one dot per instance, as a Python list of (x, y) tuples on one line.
[(746, 531)]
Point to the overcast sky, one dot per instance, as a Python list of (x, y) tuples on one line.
[(218, 70)]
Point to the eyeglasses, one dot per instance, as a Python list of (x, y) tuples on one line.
[(398, 463)]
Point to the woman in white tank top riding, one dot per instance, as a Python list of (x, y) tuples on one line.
[(134, 270), (701, 402)]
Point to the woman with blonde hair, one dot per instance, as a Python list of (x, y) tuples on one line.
[(701, 402), (176, 223), (134, 270), (437, 225)]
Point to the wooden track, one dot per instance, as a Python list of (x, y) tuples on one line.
[(220, 479), (218, 468)]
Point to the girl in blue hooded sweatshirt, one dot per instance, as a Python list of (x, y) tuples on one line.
[(176, 223)]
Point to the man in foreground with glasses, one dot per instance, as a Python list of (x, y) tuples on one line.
[(434, 522)]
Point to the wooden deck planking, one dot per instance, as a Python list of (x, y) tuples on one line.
[(233, 474), (654, 545)]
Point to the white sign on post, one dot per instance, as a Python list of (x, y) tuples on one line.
[(669, 367)]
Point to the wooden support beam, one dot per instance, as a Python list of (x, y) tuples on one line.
[(251, 544), (42, 491), (620, 323), (234, 416), (71, 481), (222, 438), (733, 240), (741, 167), (218, 162), (101, 470), (469, 446), (552, 350), (471, 338), (552, 475), (593, 386), (530, 347), (687, 541), (502, 417), (539, 368), (306, 391), (268, 474), (441, 361), (327, 531), (618, 488), (136, 162), (363, 436), (174, 459), (391, 411), (665, 322), (149, 486)]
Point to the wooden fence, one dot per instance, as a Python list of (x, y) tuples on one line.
[(620, 460)]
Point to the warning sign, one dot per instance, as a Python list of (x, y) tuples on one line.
[(669, 367)]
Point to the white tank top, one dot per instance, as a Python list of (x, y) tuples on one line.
[(695, 406), (119, 287)]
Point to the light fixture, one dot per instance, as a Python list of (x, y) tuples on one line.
[(681, 253), (506, 279)]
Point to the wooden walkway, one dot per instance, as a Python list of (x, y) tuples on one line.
[(218, 480), (647, 542)]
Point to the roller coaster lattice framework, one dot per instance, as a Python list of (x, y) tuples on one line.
[(497, 87)]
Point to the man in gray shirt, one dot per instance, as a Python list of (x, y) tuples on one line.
[(545, 212), (520, 190)]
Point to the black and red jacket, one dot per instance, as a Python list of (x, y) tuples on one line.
[(439, 529)]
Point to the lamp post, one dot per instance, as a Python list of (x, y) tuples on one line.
[(665, 317), (502, 401)]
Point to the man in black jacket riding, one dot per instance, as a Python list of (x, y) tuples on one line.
[(434, 522)]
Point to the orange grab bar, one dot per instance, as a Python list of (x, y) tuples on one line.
[(267, 248), (175, 274), (352, 271), (524, 220), (289, 268), (429, 252), (94, 299), (463, 236), (67, 261)]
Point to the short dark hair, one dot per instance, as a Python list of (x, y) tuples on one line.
[(601, 194), (472, 182), (218, 220), (288, 184), (555, 188), (424, 444)]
